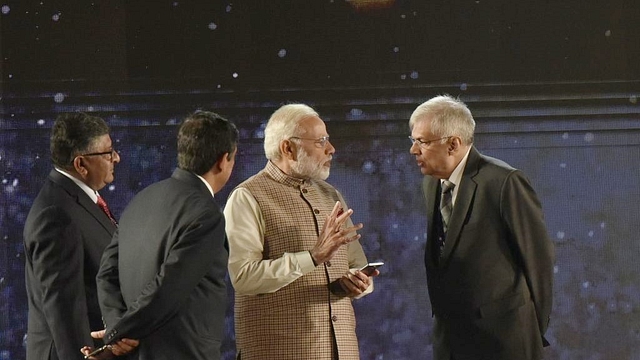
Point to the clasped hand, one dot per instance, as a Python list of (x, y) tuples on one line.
[(119, 348)]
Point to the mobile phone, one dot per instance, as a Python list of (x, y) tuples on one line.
[(97, 352), (371, 267)]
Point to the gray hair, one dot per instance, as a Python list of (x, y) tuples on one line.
[(282, 125), (448, 116)]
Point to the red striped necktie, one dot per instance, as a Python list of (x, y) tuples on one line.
[(103, 205)]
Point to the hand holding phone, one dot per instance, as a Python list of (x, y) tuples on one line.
[(370, 268)]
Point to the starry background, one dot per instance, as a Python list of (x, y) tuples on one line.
[(553, 86)]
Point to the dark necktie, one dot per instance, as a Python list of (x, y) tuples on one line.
[(446, 203), (103, 205)]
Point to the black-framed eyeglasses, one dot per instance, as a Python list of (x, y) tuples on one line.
[(112, 154), (319, 141), (423, 143)]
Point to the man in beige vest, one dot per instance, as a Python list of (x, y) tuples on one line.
[(293, 249)]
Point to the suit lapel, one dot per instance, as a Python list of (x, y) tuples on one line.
[(466, 193), (83, 200), (430, 187)]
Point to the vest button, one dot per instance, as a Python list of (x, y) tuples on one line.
[(305, 191), (334, 318), (328, 263), (316, 211)]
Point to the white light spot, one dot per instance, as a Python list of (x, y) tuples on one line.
[(563, 165), (368, 167), (585, 284), (4, 181), (403, 16), (403, 76), (112, 187), (212, 26), (282, 53), (565, 136), (59, 97), (55, 17), (396, 49), (588, 137), (15, 183), (40, 122), (463, 86), (555, 269), (395, 226), (356, 112), (10, 76), (235, 75), (5, 9), (602, 226), (607, 33), (90, 108), (228, 8), (590, 233), (414, 75), (560, 235), (175, 3), (219, 86), (633, 99)]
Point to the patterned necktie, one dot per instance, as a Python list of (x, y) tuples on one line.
[(103, 205), (446, 203)]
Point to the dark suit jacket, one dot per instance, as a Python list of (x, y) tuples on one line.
[(491, 290), (162, 278), (64, 236)]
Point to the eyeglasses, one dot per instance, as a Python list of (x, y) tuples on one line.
[(112, 154), (423, 143), (320, 141)]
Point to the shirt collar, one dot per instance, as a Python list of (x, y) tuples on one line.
[(456, 175), (207, 184), (92, 193)]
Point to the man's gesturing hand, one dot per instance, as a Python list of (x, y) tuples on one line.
[(333, 235)]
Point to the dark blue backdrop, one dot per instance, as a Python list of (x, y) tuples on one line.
[(554, 89)]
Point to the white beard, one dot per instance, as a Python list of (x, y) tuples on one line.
[(306, 168)]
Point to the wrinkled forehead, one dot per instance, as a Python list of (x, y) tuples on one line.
[(421, 128), (312, 127)]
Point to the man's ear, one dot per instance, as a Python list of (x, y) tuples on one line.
[(454, 144), (288, 149), (79, 167), (224, 162)]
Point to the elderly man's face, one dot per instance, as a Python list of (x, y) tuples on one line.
[(431, 152), (314, 152), (100, 168)]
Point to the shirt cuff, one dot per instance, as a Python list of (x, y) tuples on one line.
[(305, 261)]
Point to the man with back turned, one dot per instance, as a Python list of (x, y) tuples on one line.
[(162, 278)]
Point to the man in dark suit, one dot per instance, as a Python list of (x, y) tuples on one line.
[(162, 278), (64, 236), (488, 256)]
